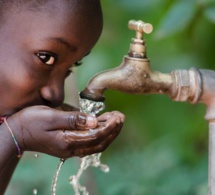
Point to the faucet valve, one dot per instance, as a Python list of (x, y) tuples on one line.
[(137, 47), (140, 27)]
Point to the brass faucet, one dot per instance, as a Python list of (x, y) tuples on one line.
[(134, 75)]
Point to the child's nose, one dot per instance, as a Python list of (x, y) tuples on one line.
[(53, 94)]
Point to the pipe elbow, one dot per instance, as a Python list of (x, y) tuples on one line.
[(208, 92), (208, 85)]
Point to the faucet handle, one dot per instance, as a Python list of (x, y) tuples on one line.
[(137, 46), (140, 27)]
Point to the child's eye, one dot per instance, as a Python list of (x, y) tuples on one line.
[(47, 58)]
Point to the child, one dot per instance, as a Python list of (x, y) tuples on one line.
[(41, 40)]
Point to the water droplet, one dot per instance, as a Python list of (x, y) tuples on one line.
[(34, 191)]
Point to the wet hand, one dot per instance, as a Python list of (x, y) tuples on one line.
[(64, 134)]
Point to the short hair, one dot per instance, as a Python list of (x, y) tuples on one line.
[(35, 5), (6, 6)]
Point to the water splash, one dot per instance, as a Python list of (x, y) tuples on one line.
[(88, 161), (90, 107), (93, 108)]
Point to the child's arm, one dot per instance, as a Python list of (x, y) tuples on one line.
[(8, 158)]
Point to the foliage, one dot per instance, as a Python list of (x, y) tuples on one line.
[(163, 146)]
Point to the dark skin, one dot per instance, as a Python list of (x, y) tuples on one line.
[(37, 50)]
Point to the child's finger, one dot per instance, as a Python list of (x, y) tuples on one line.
[(107, 115), (77, 121)]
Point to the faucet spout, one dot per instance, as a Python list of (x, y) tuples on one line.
[(133, 76)]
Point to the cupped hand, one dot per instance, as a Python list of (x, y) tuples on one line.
[(64, 134)]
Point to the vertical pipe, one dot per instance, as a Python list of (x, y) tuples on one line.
[(211, 165), (208, 98)]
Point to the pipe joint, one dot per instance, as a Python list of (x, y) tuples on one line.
[(188, 85)]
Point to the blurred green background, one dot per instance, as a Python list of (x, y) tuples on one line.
[(163, 148)]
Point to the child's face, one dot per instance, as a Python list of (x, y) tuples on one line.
[(37, 50)]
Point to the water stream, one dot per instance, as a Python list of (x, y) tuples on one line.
[(93, 108), (55, 178)]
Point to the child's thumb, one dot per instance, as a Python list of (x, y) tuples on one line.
[(81, 121)]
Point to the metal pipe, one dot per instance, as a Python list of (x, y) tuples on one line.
[(211, 160), (208, 98)]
